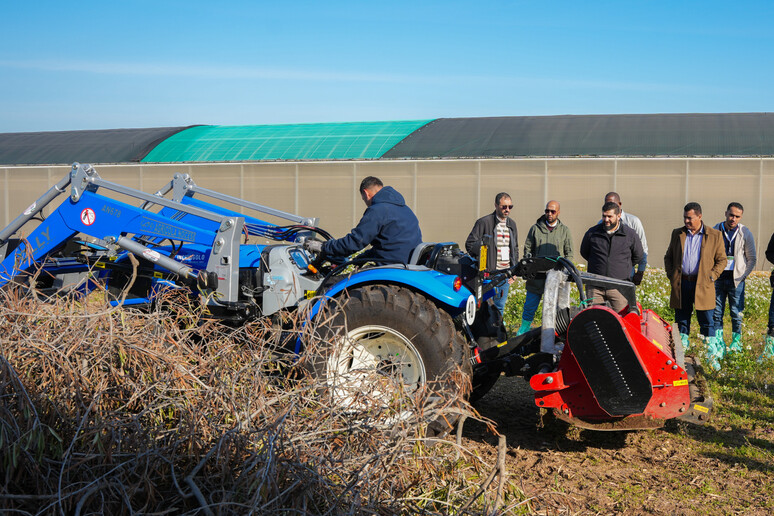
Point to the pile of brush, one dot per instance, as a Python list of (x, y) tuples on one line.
[(109, 410)]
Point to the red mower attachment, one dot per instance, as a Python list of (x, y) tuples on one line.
[(621, 373)]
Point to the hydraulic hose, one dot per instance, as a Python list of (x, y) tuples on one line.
[(573, 271)]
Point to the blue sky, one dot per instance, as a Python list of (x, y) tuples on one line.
[(138, 63)]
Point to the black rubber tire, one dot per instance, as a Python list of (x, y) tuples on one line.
[(443, 351)]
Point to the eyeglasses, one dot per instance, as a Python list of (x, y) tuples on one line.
[(550, 211), (506, 207)]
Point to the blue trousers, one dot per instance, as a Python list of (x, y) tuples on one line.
[(771, 314), (530, 306), (501, 296), (683, 314), (725, 289)]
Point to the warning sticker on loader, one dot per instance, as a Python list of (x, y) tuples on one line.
[(679, 383), (88, 217)]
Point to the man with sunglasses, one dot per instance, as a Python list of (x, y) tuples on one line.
[(505, 251), (548, 237)]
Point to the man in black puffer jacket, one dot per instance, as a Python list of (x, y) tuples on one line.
[(611, 249), (388, 225)]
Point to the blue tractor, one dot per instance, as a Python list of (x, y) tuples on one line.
[(421, 324)]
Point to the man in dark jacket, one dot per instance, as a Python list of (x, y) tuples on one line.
[(611, 249), (505, 253), (388, 225)]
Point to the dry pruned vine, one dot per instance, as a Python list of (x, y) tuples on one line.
[(109, 410)]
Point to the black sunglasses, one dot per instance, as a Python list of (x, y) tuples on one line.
[(508, 206), (550, 211)]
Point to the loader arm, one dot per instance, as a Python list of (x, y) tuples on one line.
[(122, 227)]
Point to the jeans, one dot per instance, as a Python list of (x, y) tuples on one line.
[(725, 289), (501, 296), (683, 314), (530, 306)]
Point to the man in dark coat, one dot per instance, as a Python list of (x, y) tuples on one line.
[(611, 249), (505, 236), (388, 225)]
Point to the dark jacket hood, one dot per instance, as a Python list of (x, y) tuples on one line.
[(388, 195)]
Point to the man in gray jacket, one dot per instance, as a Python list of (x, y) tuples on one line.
[(740, 251), (547, 237)]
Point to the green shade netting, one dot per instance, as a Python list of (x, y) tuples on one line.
[(329, 141)]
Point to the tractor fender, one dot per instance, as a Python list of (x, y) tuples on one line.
[(436, 286)]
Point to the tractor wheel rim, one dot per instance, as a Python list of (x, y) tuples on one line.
[(373, 362)]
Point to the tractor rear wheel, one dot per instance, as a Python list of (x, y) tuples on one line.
[(388, 338)]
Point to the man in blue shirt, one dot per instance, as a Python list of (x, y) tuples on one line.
[(693, 262)]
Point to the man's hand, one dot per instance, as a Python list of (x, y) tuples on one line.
[(637, 278), (313, 246)]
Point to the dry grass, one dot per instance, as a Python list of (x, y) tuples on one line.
[(106, 410)]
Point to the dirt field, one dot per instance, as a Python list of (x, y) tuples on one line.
[(720, 468)]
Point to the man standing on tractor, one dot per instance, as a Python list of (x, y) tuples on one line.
[(740, 253), (633, 222), (693, 262), (505, 253), (388, 225), (547, 237), (611, 249)]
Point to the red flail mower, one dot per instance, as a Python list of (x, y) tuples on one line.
[(596, 368)]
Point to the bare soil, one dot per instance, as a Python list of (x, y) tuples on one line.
[(679, 469)]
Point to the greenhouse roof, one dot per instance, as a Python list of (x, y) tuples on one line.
[(66, 147), (332, 141), (678, 135)]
